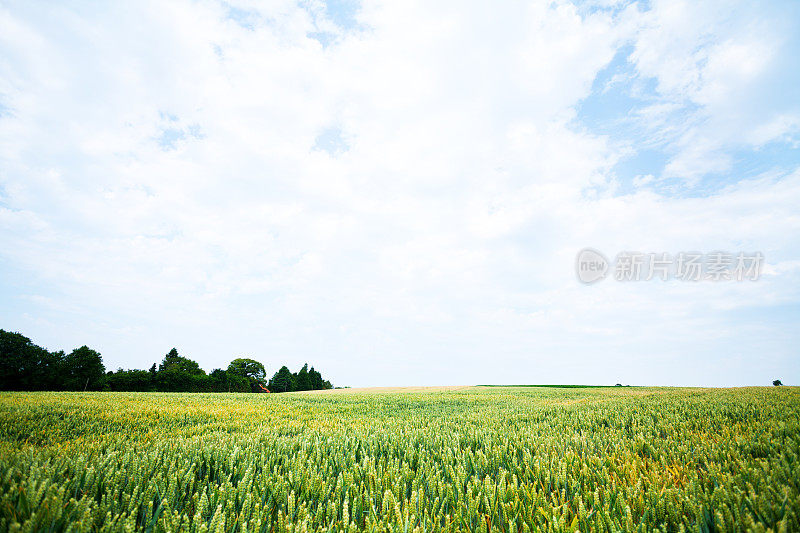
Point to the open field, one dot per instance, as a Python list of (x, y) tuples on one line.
[(440, 388), (465, 459), (390, 390)]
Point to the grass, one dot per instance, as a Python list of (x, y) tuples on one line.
[(465, 459), (558, 386)]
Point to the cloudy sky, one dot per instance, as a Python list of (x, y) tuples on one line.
[(396, 191)]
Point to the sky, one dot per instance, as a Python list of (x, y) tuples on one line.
[(396, 192)]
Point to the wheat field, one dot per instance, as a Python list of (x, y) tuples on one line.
[(454, 459)]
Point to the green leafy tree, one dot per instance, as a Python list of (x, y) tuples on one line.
[(282, 381), (180, 374), (285, 381), (83, 370), (26, 366), (249, 369), (224, 381), (129, 380), (174, 361), (315, 379), (302, 380)]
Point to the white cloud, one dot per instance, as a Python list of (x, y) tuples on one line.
[(167, 191), (722, 69)]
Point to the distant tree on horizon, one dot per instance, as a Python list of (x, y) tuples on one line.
[(174, 361), (24, 366), (315, 379), (83, 369), (249, 369), (180, 374), (304, 379), (225, 381), (130, 381), (777, 383), (282, 381)]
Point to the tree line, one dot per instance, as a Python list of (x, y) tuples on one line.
[(24, 366)]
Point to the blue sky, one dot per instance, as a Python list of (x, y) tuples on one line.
[(396, 192)]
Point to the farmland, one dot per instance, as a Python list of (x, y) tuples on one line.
[(464, 459)]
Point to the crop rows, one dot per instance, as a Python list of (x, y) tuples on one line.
[(474, 460)]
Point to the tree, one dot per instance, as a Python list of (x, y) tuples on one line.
[(129, 380), (282, 381), (301, 380), (26, 366), (180, 374), (285, 381), (315, 379), (777, 383), (83, 370), (249, 369), (225, 381), (174, 361)]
